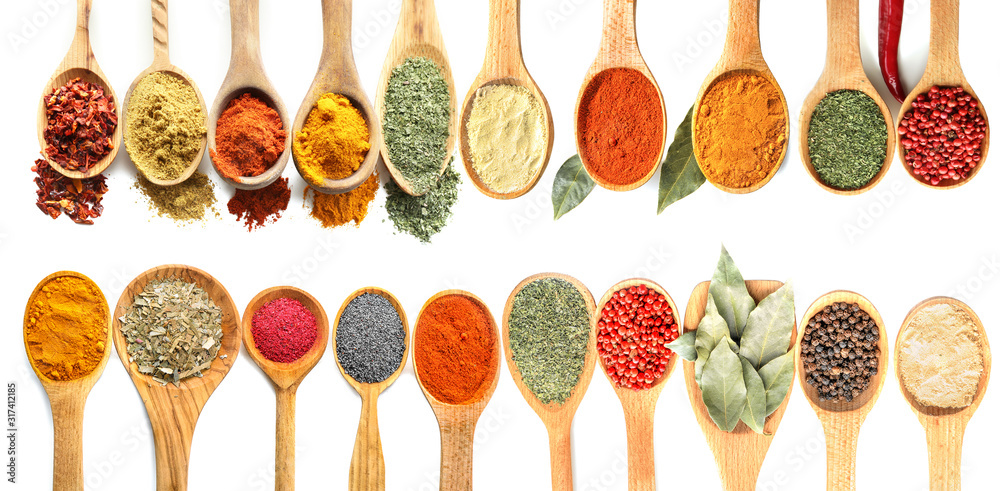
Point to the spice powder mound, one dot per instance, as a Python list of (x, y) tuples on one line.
[(334, 210), (80, 125), (283, 330), (164, 126), (259, 207), (249, 138), (941, 357), (67, 328), (188, 201), (371, 339), (79, 199), (333, 141)]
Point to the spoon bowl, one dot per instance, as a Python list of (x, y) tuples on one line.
[(417, 35), (557, 418), (338, 74), (504, 65), (80, 63), (246, 76), (173, 409)]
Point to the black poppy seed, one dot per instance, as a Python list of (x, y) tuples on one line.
[(370, 339)]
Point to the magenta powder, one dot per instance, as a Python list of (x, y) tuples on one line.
[(283, 330)]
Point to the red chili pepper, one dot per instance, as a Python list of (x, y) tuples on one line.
[(890, 23)]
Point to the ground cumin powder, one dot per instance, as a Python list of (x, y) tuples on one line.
[(740, 130), (66, 328)]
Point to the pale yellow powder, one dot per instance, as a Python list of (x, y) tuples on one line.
[(508, 137), (941, 357)]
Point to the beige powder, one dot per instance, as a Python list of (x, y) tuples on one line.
[(508, 137), (941, 357)]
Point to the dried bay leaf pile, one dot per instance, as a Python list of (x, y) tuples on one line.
[(173, 329)]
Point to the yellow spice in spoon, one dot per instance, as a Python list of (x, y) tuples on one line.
[(333, 141), (66, 328)]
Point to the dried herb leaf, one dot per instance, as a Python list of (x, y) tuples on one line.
[(571, 187), (711, 330), (723, 390), (777, 377), (731, 296), (769, 328), (754, 412), (684, 346), (679, 174)]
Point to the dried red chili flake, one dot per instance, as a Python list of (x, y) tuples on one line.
[(283, 330), (79, 199), (943, 135), (635, 326), (81, 121), (256, 208)]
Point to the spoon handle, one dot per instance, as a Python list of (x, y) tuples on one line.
[(457, 437), (244, 15), (338, 54), (367, 463), (841, 452), (843, 51), (172, 418), (81, 38), (944, 449), (503, 50), (67, 419), (641, 464), (743, 34), (284, 439), (619, 45), (161, 49), (420, 18), (943, 54), (561, 457)]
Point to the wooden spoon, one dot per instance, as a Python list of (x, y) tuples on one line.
[(457, 421), (557, 418), (945, 428), (639, 405), (842, 420), (843, 71), (161, 63), (504, 65), (80, 63), (338, 74), (367, 462), (739, 454), (741, 54), (619, 49), (285, 377), (418, 34), (246, 75), (944, 70), (67, 399), (173, 410)]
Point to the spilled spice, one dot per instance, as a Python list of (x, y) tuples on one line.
[(423, 216), (79, 199), (261, 206), (334, 210), (188, 201), (81, 122)]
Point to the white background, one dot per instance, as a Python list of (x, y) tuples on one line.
[(897, 244)]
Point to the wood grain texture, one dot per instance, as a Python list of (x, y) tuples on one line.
[(67, 400), (944, 69), (458, 422), (367, 472), (619, 49), (741, 54), (739, 454), (639, 405), (504, 65), (417, 35), (557, 418), (246, 75), (945, 428), (286, 377), (844, 71), (842, 420), (174, 410), (80, 62), (338, 74), (161, 63)]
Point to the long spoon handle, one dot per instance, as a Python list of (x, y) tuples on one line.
[(944, 450), (843, 51), (503, 51), (618, 41), (284, 439), (420, 18), (743, 35), (943, 53), (367, 463), (67, 419), (338, 54), (841, 452), (161, 45), (81, 38), (561, 457), (641, 464), (244, 16), (457, 437), (172, 419)]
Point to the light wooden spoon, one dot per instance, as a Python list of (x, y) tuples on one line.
[(619, 49), (639, 405), (843, 71), (557, 418), (418, 34), (161, 63), (457, 422), (285, 377), (367, 462), (842, 420), (945, 428), (739, 454), (338, 74), (67, 399), (741, 54), (80, 63), (504, 65), (173, 410), (944, 70), (246, 75)]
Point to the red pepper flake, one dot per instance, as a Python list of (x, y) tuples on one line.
[(81, 121), (635, 326), (256, 208), (80, 199), (283, 330), (943, 135)]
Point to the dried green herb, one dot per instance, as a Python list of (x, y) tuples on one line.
[(847, 139), (723, 389), (173, 329), (769, 327), (571, 187), (423, 216), (731, 296), (679, 174)]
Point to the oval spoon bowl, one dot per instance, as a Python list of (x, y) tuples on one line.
[(286, 375)]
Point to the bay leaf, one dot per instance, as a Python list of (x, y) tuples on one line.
[(571, 186), (769, 327), (679, 174), (711, 330), (723, 390), (684, 346), (753, 414), (731, 295), (777, 377)]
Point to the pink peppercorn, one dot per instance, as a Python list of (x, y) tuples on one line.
[(942, 135), (283, 330), (635, 325)]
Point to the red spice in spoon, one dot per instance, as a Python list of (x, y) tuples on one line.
[(635, 326), (942, 135)]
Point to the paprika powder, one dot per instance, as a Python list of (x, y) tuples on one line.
[(256, 208), (249, 138)]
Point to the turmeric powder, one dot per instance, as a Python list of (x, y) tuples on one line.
[(66, 328), (740, 130), (334, 210), (333, 141)]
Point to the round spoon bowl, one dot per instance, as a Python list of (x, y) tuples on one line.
[(266, 95), (380, 386), (285, 375)]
